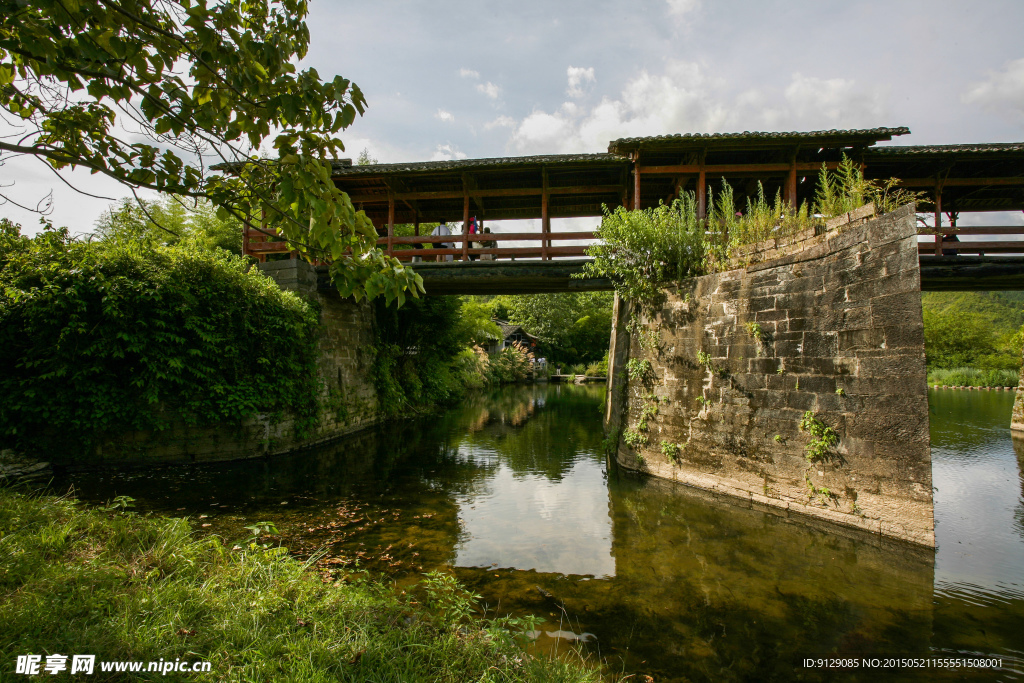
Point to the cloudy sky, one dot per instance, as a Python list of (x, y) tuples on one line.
[(474, 79)]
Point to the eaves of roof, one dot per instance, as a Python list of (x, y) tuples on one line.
[(340, 168), (867, 135)]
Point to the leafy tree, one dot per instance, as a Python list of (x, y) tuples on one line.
[(475, 326), (169, 222), (973, 329), (572, 327), (203, 82), (953, 341)]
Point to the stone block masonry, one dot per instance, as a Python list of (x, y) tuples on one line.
[(713, 388)]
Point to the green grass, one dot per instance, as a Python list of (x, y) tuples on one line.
[(124, 586), (972, 377)]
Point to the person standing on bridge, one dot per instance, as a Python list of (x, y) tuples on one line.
[(443, 231)]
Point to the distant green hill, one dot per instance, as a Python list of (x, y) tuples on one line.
[(980, 330), (1004, 311)]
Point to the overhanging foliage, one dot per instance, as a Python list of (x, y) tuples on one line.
[(203, 82)]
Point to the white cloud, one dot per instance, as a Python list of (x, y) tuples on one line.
[(501, 122), (685, 99), (444, 116), (489, 89), (1002, 93), (830, 102), (469, 73), (446, 153), (680, 8), (577, 77)]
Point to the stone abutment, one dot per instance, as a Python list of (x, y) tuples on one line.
[(795, 380)]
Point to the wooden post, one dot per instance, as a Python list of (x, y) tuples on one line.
[(545, 219), (791, 184), (702, 193), (636, 181), (391, 223), (465, 226), (938, 219)]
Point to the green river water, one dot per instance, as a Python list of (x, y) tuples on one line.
[(510, 490)]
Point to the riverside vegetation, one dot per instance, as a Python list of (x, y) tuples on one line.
[(157, 314), (136, 587), (973, 338), (108, 333)]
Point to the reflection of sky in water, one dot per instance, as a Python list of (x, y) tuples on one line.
[(978, 496), (533, 522)]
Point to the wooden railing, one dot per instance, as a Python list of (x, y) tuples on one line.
[(546, 245), (993, 241), (543, 245)]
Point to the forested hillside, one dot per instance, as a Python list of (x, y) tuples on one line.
[(981, 331)]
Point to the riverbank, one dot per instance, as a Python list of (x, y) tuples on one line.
[(972, 377), (131, 587)]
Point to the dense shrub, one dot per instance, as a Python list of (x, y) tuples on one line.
[(418, 362), (101, 339), (598, 369), (509, 365)]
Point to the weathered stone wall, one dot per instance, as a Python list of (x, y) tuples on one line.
[(1017, 416), (827, 323), (344, 370)]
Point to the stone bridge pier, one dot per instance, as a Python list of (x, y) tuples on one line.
[(794, 380)]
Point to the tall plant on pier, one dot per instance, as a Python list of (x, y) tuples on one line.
[(641, 250)]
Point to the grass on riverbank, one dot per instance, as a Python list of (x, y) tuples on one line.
[(972, 377), (124, 586)]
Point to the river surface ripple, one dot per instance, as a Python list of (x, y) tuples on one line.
[(510, 490)]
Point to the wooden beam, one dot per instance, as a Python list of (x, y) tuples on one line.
[(961, 182), (702, 189), (636, 181), (493, 236), (791, 183), (495, 192), (465, 227), (804, 168), (391, 224), (575, 250), (1014, 247), (978, 230), (938, 218)]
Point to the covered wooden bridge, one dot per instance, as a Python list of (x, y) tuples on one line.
[(641, 172)]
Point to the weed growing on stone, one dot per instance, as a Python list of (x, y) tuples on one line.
[(824, 438), (672, 450), (634, 438), (638, 368), (822, 493), (705, 360)]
